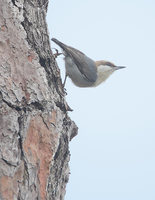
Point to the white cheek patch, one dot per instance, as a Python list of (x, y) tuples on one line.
[(104, 71), (104, 68)]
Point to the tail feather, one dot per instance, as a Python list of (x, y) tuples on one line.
[(63, 46)]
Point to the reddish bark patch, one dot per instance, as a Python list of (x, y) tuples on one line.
[(38, 149), (53, 117), (31, 56), (9, 185), (6, 187), (3, 28)]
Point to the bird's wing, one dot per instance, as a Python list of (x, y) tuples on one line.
[(85, 64)]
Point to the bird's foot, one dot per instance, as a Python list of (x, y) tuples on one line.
[(65, 91), (57, 53)]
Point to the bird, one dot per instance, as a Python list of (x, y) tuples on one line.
[(82, 70)]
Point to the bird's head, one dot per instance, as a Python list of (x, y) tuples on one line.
[(104, 70), (108, 66)]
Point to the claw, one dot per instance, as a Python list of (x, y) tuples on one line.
[(57, 53), (65, 91)]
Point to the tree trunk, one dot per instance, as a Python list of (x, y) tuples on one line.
[(35, 129)]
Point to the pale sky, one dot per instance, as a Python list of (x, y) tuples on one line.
[(113, 156)]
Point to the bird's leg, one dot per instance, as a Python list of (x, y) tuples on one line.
[(64, 84), (57, 53), (64, 81)]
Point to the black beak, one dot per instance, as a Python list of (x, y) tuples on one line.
[(119, 67)]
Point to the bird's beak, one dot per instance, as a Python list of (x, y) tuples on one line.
[(119, 67)]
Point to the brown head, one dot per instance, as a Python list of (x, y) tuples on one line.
[(104, 70), (107, 63)]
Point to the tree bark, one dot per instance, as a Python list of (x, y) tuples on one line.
[(35, 129)]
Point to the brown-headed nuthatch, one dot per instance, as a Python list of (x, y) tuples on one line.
[(83, 71)]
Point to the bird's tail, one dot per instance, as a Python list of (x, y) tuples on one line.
[(63, 46)]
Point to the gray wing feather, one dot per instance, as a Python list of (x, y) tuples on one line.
[(85, 64)]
